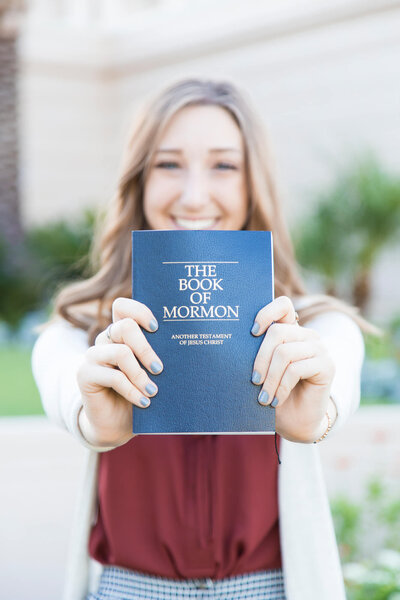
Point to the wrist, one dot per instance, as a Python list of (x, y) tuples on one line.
[(327, 422), (96, 438), (307, 433)]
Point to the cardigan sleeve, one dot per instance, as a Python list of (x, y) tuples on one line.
[(56, 356), (345, 343)]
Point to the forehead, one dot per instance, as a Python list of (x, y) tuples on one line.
[(202, 126)]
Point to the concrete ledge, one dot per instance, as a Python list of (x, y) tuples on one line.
[(368, 445)]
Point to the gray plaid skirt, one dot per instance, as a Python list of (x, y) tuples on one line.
[(123, 584)]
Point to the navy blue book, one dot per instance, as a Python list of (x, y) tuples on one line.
[(205, 288)]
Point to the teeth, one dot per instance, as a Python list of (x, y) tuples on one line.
[(195, 223)]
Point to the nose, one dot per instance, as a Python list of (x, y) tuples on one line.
[(195, 193)]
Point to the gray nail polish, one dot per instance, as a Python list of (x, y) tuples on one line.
[(144, 401), (255, 328), (153, 325), (274, 402), (151, 388), (256, 377), (263, 397), (155, 366)]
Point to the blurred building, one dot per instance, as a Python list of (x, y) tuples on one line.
[(325, 75)]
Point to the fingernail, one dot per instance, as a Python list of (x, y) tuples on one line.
[(255, 328), (274, 402), (263, 397), (153, 325), (256, 377), (155, 366), (151, 388), (144, 401)]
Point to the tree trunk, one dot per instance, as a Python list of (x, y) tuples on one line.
[(10, 220), (362, 288), (330, 288)]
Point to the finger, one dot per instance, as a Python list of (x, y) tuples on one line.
[(123, 308), (278, 333), (308, 368), (127, 307), (104, 337), (121, 356), (283, 356), (128, 332), (279, 310), (96, 377)]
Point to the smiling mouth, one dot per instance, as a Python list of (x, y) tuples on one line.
[(194, 223)]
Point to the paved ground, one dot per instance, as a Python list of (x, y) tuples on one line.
[(39, 469)]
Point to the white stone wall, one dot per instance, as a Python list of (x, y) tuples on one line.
[(324, 75)]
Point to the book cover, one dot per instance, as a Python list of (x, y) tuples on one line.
[(205, 288)]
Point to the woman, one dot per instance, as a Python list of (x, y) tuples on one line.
[(198, 516)]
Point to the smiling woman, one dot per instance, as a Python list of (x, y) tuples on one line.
[(174, 168), (159, 512), (200, 178)]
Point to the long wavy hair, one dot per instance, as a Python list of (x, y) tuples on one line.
[(88, 304)]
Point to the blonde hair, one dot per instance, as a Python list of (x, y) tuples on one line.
[(111, 253)]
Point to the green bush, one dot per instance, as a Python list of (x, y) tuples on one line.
[(353, 220), (61, 250), (387, 346), (52, 254), (18, 290), (368, 535)]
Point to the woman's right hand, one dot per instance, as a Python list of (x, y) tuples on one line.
[(111, 378)]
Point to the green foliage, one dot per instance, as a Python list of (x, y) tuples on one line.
[(347, 516), (374, 580), (61, 250), (368, 534), (375, 197), (352, 221), (378, 348), (317, 238), (394, 329), (52, 254), (18, 292)]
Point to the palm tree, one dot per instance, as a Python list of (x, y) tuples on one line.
[(10, 221), (352, 222), (375, 197)]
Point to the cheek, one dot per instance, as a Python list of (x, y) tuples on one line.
[(233, 195), (157, 194)]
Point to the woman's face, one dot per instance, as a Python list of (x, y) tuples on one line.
[(197, 176)]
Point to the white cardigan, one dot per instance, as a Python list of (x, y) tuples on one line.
[(310, 556)]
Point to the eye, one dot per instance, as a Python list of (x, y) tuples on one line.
[(224, 166), (167, 165)]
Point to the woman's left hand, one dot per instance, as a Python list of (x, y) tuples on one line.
[(295, 371)]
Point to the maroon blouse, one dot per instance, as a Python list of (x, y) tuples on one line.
[(189, 506)]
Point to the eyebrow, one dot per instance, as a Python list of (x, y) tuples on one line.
[(178, 151)]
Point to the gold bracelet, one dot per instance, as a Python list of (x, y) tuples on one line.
[(327, 429)]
